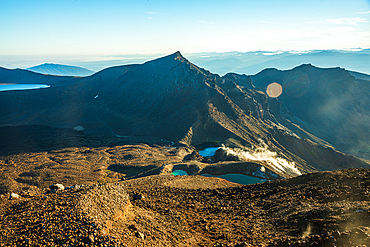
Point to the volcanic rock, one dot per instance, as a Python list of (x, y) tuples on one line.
[(317, 209), (138, 197), (140, 235), (13, 196), (56, 187), (222, 155), (195, 156)]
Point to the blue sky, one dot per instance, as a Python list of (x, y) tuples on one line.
[(103, 28)]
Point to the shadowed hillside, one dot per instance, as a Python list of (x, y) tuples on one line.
[(28, 77), (328, 103)]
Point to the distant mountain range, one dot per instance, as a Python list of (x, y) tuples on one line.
[(61, 70), (222, 63), (253, 62), (174, 100)]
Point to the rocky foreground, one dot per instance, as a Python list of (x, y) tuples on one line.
[(317, 209)]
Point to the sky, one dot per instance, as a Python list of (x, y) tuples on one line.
[(90, 28)]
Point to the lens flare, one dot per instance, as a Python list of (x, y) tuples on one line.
[(274, 90), (296, 83)]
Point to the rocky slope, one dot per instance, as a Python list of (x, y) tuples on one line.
[(317, 209), (328, 103)]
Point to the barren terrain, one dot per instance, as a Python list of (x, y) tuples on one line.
[(84, 165), (317, 209)]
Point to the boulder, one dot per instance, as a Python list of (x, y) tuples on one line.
[(195, 156), (223, 155), (56, 187), (13, 196), (140, 235), (138, 197)]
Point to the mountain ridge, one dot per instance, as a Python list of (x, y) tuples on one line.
[(319, 98), (22, 76), (60, 70)]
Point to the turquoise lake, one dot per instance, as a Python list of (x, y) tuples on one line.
[(208, 152), (179, 173), (232, 177)]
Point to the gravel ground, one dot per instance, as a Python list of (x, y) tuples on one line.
[(317, 209)]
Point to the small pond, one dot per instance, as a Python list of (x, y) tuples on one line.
[(179, 173), (10, 87), (232, 177)]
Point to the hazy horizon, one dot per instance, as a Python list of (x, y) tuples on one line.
[(96, 63), (91, 30)]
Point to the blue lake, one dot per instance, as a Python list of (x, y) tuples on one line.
[(208, 152), (238, 178), (232, 177), (11, 87)]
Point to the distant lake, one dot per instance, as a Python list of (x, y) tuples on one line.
[(232, 177), (208, 152), (11, 87), (238, 178)]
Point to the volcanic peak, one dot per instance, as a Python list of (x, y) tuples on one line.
[(173, 60), (172, 57)]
